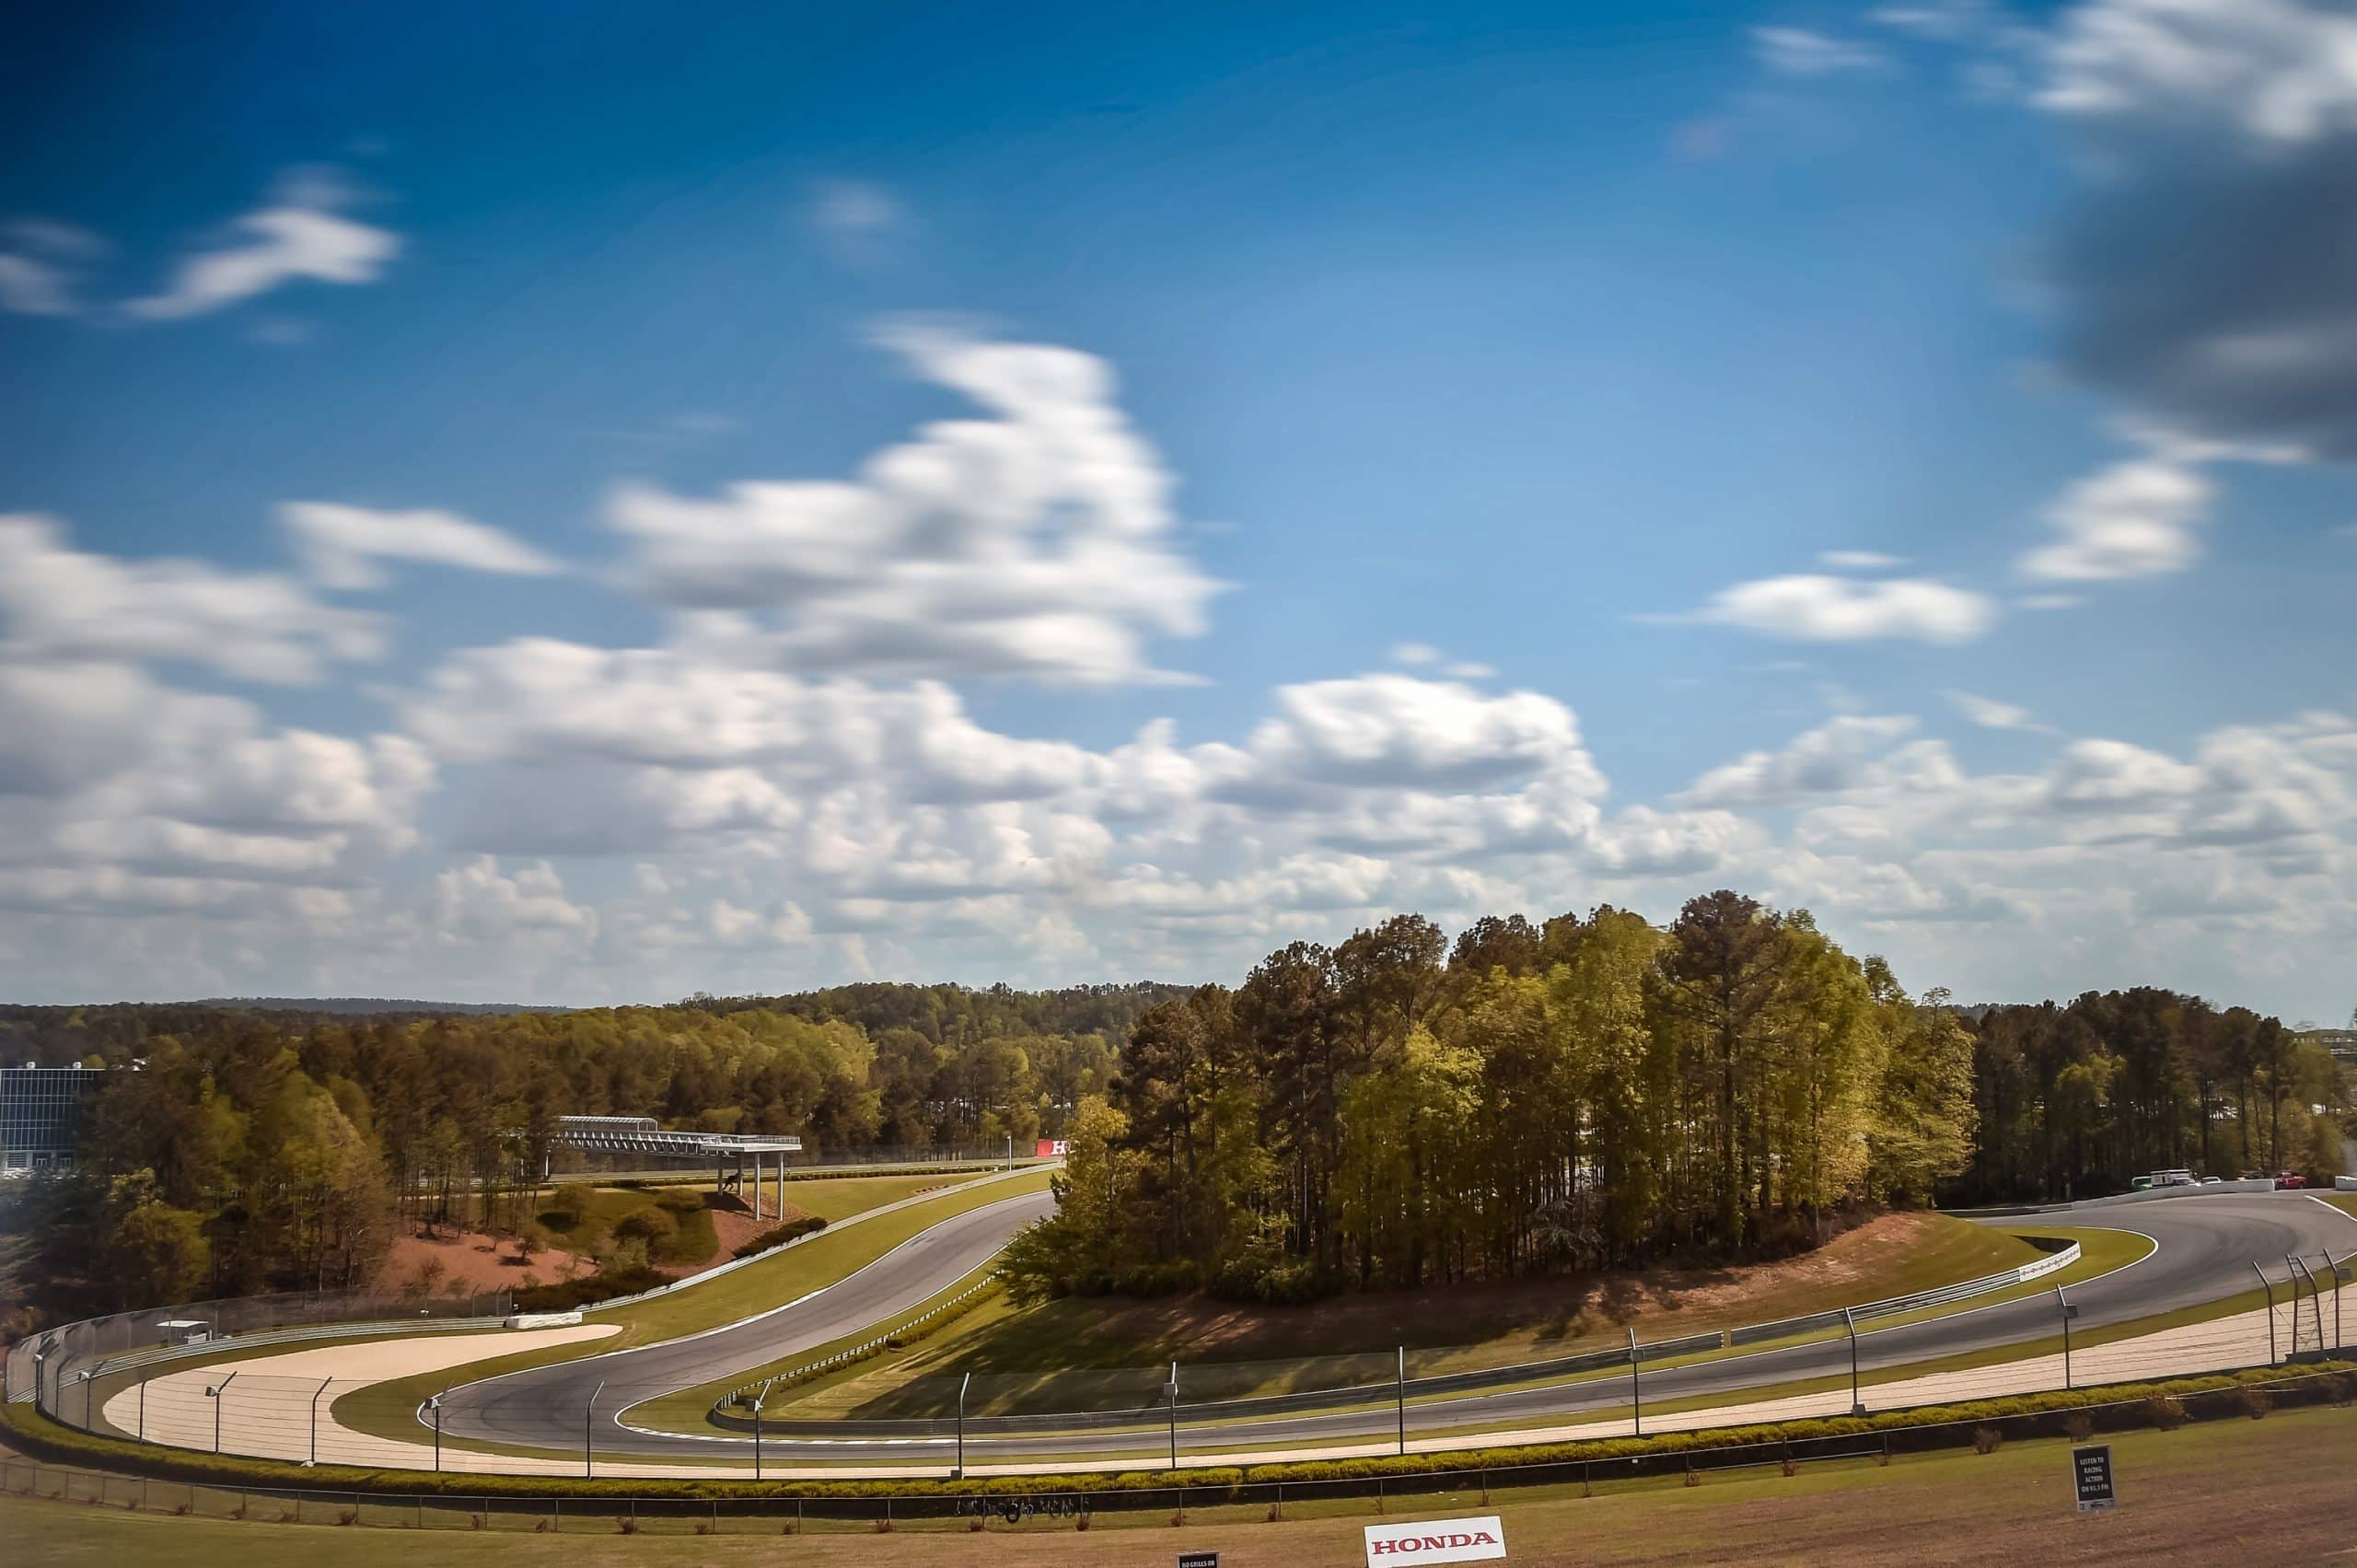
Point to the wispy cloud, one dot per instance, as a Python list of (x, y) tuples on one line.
[(1798, 52), (297, 235)]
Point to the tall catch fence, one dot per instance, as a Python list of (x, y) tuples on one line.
[(376, 1407), (607, 1512)]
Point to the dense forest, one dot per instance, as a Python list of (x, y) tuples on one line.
[(260, 1149), (1393, 1111), (1598, 1091)]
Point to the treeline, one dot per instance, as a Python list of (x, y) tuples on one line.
[(2076, 1100), (1393, 1112), (256, 1150), (1599, 1091)]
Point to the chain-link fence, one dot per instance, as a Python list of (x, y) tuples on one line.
[(373, 1404), (780, 1512)]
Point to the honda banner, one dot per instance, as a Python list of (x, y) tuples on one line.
[(1051, 1148), (1439, 1540)]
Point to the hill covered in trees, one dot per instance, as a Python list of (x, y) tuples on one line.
[(1392, 1110), (1599, 1091)]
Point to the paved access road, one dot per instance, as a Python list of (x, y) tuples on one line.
[(2205, 1246), (548, 1406)]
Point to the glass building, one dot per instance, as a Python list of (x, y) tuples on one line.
[(41, 1114)]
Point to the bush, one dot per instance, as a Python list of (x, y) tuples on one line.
[(2255, 1402), (1987, 1440), (2078, 1427), (678, 1201), (778, 1235), (563, 1296), (2166, 1411), (652, 1226)]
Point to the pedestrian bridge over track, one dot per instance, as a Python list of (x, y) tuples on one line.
[(642, 1136)]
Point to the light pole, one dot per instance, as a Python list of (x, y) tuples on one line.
[(1636, 1398), (757, 1435), (968, 1382), (216, 1392), (40, 1358), (590, 1410), (2069, 1312), (1170, 1390), (2271, 1311), (315, 1419), (434, 1405), (1400, 1395), (1850, 1321)]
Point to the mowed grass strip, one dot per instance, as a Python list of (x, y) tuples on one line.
[(2231, 1493), (1107, 1353), (385, 1410)]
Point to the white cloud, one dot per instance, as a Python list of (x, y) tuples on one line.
[(1991, 714), (1798, 52), (41, 264), (1034, 542), (342, 545), (2133, 519), (58, 603), (1414, 653), (1469, 670), (857, 209), (1860, 560), (1813, 608), (1838, 755), (2279, 70), (298, 237)]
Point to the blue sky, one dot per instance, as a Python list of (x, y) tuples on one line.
[(1102, 491)]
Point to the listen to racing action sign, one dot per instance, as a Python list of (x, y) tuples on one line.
[(1440, 1540), (2091, 1474)]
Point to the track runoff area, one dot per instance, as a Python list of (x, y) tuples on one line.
[(592, 1413)]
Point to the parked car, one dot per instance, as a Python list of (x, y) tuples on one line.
[(2289, 1181), (2212, 1180)]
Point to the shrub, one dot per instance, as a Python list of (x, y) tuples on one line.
[(2255, 1402), (778, 1235), (2166, 1411), (654, 1227), (975, 1526), (563, 1296), (349, 1517), (627, 1523), (2078, 1427), (704, 1527), (1987, 1440), (678, 1201)]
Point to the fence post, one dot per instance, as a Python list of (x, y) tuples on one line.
[(2294, 1267), (2271, 1311)]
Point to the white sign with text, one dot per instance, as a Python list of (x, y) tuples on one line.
[(1436, 1541)]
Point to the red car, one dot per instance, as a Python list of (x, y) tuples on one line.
[(2289, 1181)]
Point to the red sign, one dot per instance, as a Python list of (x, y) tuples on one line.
[(1051, 1149)]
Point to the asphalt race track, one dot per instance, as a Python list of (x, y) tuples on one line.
[(546, 1407), (2205, 1249)]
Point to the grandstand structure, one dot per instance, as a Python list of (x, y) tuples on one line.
[(727, 1153)]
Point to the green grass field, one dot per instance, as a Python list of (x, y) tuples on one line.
[(1098, 1354), (2236, 1493)]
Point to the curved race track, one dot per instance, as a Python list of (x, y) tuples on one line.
[(545, 1407), (2204, 1249)]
